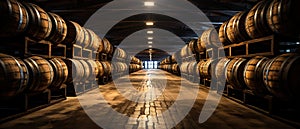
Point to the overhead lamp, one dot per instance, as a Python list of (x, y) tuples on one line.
[(150, 49), (150, 46), (149, 3), (150, 38), (149, 23), (150, 32), (150, 42)]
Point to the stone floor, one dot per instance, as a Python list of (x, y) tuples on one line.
[(146, 100)]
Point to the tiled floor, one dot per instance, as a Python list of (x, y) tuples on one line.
[(154, 93)]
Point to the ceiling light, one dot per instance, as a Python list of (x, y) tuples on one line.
[(149, 3), (150, 38), (150, 46), (150, 42), (149, 23), (150, 49), (149, 32)]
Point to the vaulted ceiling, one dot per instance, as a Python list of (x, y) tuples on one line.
[(80, 11)]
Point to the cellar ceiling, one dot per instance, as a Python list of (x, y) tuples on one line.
[(217, 11)]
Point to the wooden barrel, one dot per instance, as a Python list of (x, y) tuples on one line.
[(220, 71), (207, 68), (281, 76), (93, 68), (86, 38), (234, 71), (87, 70), (14, 76), (253, 74), (283, 18), (40, 24), (41, 73), (256, 20), (210, 38), (120, 53), (100, 69), (223, 36), (175, 68), (15, 18), (75, 70), (106, 68), (193, 46), (107, 46), (200, 68), (74, 34), (186, 51), (59, 29), (60, 72), (193, 68), (236, 31), (184, 67), (94, 41)]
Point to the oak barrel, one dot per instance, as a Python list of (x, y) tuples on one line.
[(41, 73), (281, 76), (223, 36), (108, 48), (60, 72), (93, 68), (106, 68), (14, 76), (40, 24), (256, 20), (100, 69), (283, 17), (74, 34), (235, 30), (75, 70), (94, 41), (253, 74), (59, 29), (220, 71), (200, 68), (234, 71), (210, 39), (14, 19)]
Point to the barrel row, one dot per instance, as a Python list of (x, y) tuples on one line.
[(31, 20), (264, 19), (262, 75), (35, 74)]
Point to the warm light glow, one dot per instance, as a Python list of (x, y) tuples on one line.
[(150, 42), (150, 38), (150, 46), (149, 3), (150, 49), (149, 32), (149, 23)]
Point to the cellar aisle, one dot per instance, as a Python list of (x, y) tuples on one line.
[(69, 114)]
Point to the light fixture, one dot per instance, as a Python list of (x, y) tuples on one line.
[(150, 32), (149, 3), (297, 42), (150, 49), (149, 23), (150, 42), (150, 46), (150, 38)]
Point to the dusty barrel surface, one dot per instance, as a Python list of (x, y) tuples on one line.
[(100, 69), (256, 20), (41, 73), (281, 76), (14, 76), (15, 18), (60, 70), (253, 74), (59, 29), (40, 24), (234, 71)]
